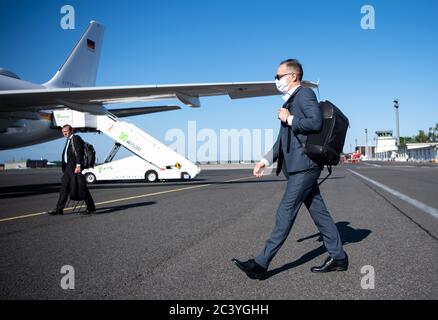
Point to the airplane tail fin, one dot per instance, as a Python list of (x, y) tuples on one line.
[(80, 67)]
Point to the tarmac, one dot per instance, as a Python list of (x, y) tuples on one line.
[(176, 239)]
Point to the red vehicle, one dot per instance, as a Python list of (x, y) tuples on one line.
[(356, 157)]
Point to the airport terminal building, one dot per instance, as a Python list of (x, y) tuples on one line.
[(387, 149), (419, 152)]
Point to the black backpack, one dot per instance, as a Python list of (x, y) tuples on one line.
[(325, 146), (89, 156), (89, 159)]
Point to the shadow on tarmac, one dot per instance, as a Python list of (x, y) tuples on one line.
[(106, 210), (28, 190), (348, 235)]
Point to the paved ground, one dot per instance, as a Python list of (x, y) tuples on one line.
[(175, 240)]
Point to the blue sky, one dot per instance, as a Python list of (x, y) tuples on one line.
[(152, 42)]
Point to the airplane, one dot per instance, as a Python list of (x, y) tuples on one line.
[(26, 109)]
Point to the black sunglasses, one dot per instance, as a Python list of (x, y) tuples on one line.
[(278, 77)]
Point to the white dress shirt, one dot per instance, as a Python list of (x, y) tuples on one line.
[(66, 148)]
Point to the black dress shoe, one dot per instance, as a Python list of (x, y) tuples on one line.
[(251, 268), (54, 213), (331, 264)]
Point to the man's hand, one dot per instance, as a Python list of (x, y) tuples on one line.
[(78, 170), (259, 169), (283, 114)]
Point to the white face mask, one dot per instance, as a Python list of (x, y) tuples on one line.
[(282, 85)]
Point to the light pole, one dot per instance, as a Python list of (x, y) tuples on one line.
[(375, 148), (397, 122), (366, 142)]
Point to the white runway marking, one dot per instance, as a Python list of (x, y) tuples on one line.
[(371, 164), (418, 204)]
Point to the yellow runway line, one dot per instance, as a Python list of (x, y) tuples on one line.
[(122, 199)]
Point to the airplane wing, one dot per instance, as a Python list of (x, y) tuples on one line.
[(128, 112), (92, 99)]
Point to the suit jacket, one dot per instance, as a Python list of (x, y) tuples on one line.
[(303, 105), (73, 158)]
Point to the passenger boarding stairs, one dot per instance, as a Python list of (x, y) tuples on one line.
[(131, 137)]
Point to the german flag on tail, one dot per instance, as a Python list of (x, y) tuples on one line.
[(90, 44)]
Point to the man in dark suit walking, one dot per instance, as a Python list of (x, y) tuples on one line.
[(299, 116), (72, 156)]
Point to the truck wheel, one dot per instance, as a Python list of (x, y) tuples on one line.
[(151, 176), (90, 178)]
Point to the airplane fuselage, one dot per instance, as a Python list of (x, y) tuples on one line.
[(24, 128)]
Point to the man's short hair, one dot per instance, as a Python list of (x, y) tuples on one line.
[(295, 65), (70, 128)]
